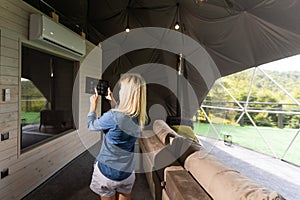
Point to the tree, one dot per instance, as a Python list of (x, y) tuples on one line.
[(263, 90)]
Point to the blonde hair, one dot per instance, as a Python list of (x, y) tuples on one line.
[(133, 97)]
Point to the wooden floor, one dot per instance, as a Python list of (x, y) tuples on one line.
[(72, 183)]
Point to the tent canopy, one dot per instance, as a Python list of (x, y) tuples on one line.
[(236, 34)]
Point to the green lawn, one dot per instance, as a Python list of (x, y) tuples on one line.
[(30, 117), (248, 136)]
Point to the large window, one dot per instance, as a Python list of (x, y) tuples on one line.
[(258, 108), (46, 97)]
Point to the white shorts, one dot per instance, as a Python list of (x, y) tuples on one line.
[(106, 187)]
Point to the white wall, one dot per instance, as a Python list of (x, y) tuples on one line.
[(28, 170)]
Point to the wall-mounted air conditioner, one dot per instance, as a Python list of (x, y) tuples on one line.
[(46, 31)]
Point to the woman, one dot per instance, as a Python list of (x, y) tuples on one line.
[(113, 175)]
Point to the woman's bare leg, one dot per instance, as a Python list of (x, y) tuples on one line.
[(109, 198), (121, 196)]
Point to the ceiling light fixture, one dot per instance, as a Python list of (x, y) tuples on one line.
[(127, 29)]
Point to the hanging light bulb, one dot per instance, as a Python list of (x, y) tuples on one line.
[(200, 1), (177, 26), (127, 25)]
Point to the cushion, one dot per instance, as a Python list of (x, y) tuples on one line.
[(236, 186), (175, 120), (222, 182), (156, 156), (150, 142), (185, 131), (163, 131)]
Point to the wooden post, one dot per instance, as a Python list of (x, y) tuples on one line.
[(207, 113), (280, 120)]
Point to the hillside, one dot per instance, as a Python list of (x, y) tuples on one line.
[(264, 92)]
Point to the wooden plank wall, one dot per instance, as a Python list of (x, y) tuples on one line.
[(28, 170)]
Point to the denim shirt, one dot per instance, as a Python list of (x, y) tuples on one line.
[(116, 156)]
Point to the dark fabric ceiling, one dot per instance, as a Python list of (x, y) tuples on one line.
[(237, 34)]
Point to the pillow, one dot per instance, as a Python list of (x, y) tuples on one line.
[(185, 131), (163, 131), (174, 120)]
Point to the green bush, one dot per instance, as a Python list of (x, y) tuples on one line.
[(294, 122), (33, 106), (263, 119)]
